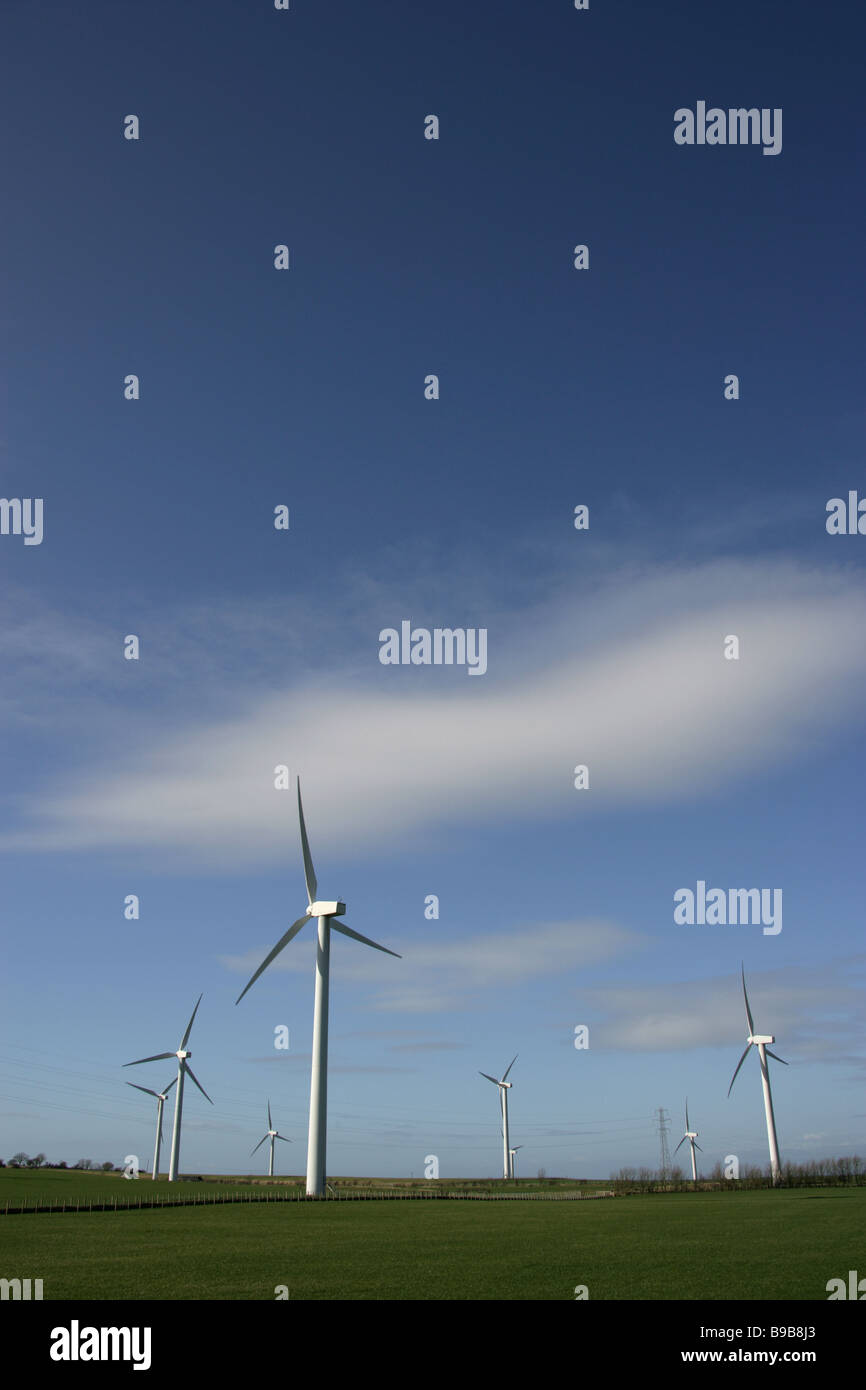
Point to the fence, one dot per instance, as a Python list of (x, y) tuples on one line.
[(205, 1199)]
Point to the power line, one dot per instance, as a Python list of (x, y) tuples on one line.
[(663, 1124)]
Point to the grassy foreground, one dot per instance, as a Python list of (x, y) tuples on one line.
[(750, 1245)]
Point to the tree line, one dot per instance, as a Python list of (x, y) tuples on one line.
[(849, 1170), (86, 1165)]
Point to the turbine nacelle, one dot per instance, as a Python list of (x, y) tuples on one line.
[(765, 1038), (323, 909)]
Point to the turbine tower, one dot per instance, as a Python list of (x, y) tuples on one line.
[(326, 912), (160, 1099), (691, 1135), (761, 1041), (183, 1069), (273, 1135), (504, 1087)]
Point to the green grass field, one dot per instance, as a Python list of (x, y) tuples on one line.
[(749, 1245)]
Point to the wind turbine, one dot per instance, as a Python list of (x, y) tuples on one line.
[(160, 1098), (272, 1134), (761, 1041), (504, 1087), (512, 1152), (691, 1135), (326, 912), (183, 1069)]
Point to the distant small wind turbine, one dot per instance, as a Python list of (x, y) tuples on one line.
[(272, 1134), (183, 1069), (761, 1041), (512, 1152), (160, 1098), (504, 1087), (691, 1135), (326, 912)]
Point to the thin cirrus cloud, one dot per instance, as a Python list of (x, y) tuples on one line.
[(441, 977), (638, 689), (814, 1014)]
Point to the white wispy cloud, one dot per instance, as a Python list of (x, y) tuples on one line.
[(815, 1012), (629, 679), (441, 977)]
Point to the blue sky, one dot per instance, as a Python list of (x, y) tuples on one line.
[(260, 647)]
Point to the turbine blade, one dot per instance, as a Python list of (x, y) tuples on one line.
[(283, 941), (309, 872), (166, 1089), (270, 1125), (365, 940), (510, 1065), (680, 1144), (698, 1147), (258, 1146), (739, 1064), (190, 1073), (688, 1126), (283, 1137), (189, 1026), (746, 997), (489, 1078), (769, 1054), (160, 1057), (146, 1089)]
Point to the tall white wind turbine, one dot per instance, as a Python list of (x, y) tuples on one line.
[(183, 1069), (327, 913), (691, 1135), (160, 1102), (761, 1041), (504, 1087), (273, 1135)]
